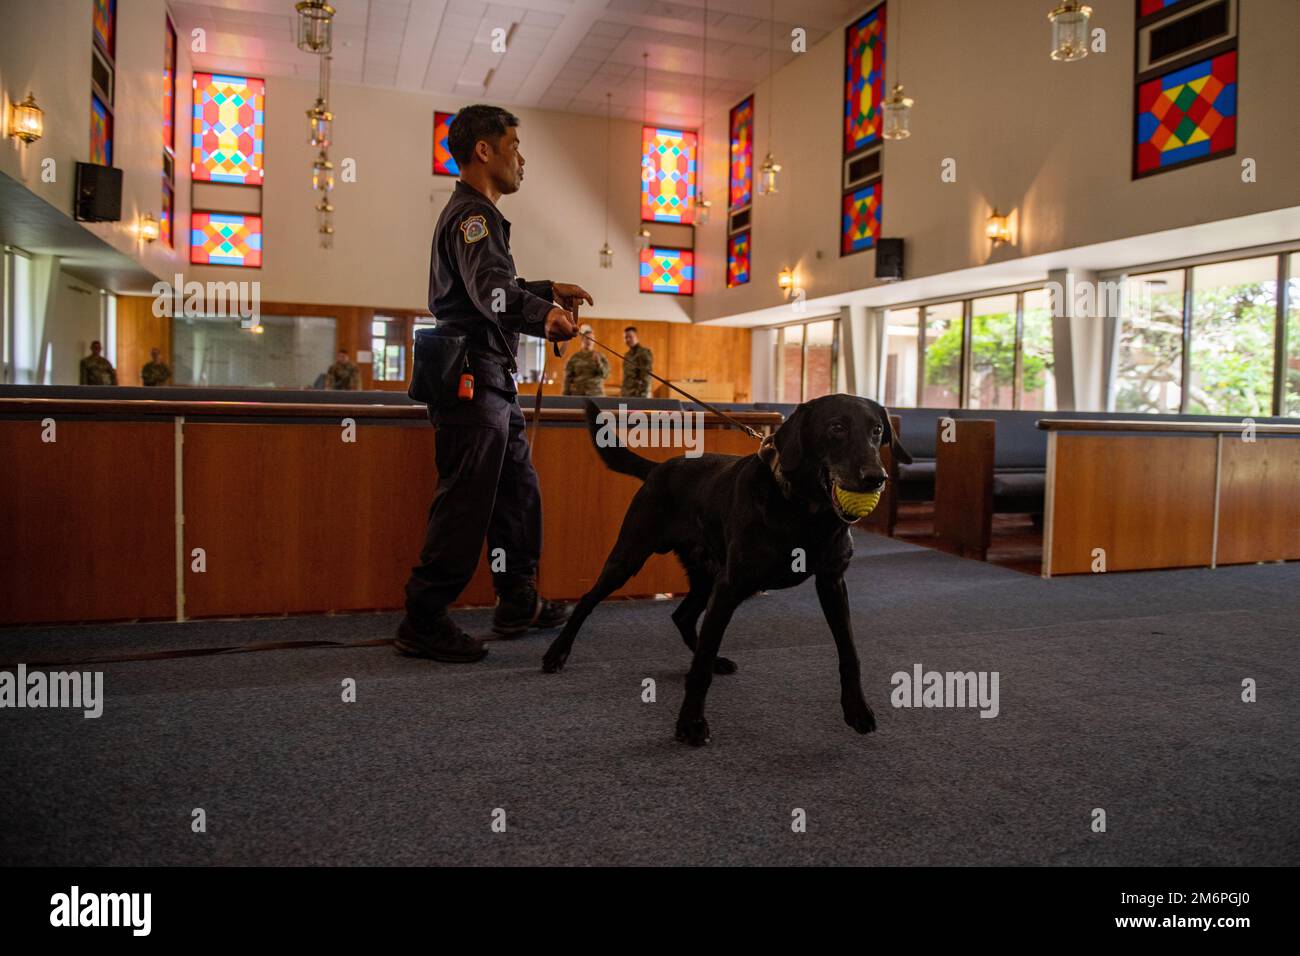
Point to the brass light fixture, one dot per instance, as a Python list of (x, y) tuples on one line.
[(315, 26), (998, 228), (26, 121), (325, 223), (897, 107), (319, 116), (147, 229), (643, 237), (785, 281), (606, 253), (1070, 31), (322, 173), (767, 173)]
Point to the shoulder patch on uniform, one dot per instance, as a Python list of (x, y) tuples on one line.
[(474, 228)]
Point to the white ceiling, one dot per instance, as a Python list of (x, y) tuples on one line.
[(560, 54)]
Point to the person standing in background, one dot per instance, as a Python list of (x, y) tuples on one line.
[(343, 374), (95, 369), (586, 371), (637, 366), (155, 371)]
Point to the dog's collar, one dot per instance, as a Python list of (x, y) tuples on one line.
[(769, 456)]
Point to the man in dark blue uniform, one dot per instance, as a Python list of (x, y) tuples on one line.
[(487, 486)]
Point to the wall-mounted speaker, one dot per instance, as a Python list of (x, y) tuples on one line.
[(889, 259), (97, 195)]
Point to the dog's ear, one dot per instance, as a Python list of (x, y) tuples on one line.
[(889, 437), (789, 441)]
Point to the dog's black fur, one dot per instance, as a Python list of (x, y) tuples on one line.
[(735, 524)]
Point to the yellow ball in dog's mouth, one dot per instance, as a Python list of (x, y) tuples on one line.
[(859, 504)]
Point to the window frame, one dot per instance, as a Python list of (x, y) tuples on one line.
[(778, 363)]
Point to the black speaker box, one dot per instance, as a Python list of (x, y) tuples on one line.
[(98, 195), (889, 259)]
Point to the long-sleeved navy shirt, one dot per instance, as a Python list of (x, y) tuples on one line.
[(473, 288)]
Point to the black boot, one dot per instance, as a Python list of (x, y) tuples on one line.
[(443, 642), (522, 607)]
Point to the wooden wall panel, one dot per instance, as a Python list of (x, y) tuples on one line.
[(1148, 501), (138, 331), (1259, 500), (89, 522), (294, 519)]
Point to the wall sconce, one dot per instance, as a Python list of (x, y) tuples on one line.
[(315, 26), (26, 121), (998, 228), (147, 229), (1070, 31), (785, 281)]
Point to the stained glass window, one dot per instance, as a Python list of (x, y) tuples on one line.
[(1155, 6), (228, 129), (861, 219), (667, 175), (105, 24), (1187, 115), (741, 189), (864, 80), (225, 239), (444, 164), (165, 220), (738, 259), (668, 270), (101, 133), (169, 88)]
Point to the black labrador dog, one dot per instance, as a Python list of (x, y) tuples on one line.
[(742, 525)]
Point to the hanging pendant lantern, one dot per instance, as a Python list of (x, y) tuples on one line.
[(325, 223), (315, 26), (322, 120), (1070, 31), (643, 238), (767, 175), (606, 257), (898, 114), (322, 173), (702, 207)]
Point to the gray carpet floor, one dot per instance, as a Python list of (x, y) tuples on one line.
[(1118, 691)]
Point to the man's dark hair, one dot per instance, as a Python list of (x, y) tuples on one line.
[(474, 123), (630, 328)]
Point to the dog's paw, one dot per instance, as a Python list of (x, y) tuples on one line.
[(724, 665), (858, 715), (553, 661), (693, 731)]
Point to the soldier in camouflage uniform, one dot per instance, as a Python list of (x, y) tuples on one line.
[(95, 369), (586, 371), (636, 367), (343, 374), (156, 371)]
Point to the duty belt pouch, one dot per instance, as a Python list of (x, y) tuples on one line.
[(440, 357)]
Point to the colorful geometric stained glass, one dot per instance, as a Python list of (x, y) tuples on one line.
[(741, 180), (225, 239), (105, 21), (101, 133), (738, 259), (169, 88), (864, 80), (667, 175), (229, 129), (861, 219), (1155, 6), (165, 219), (444, 164), (1187, 115), (668, 270)]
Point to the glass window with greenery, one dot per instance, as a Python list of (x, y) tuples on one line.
[(1149, 375), (941, 378), (902, 356), (993, 352), (1037, 365), (1291, 360), (1233, 335), (388, 352)]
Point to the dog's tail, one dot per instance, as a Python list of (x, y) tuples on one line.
[(615, 456)]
